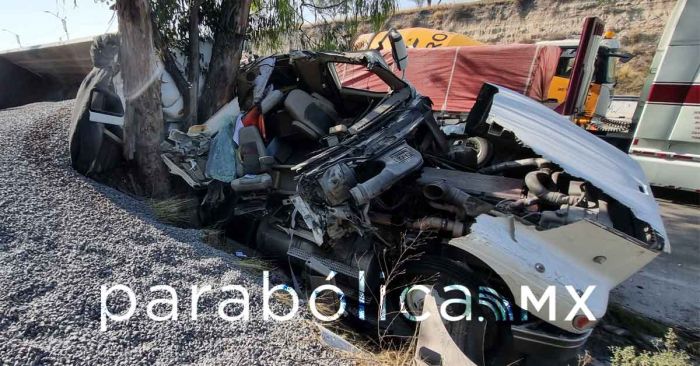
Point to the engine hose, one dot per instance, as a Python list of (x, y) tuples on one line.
[(537, 182), (522, 203), (441, 191), (397, 163), (437, 223), (453, 227), (537, 162), (440, 138)]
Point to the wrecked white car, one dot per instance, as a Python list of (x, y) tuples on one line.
[(515, 204)]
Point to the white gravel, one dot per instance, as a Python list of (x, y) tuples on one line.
[(63, 235)]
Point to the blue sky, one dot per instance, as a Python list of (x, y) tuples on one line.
[(29, 20)]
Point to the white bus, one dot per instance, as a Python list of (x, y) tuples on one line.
[(666, 142)]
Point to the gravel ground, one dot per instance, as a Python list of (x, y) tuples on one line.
[(62, 236)]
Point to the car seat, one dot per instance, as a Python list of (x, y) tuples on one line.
[(313, 117), (255, 163)]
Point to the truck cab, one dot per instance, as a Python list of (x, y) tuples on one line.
[(602, 87)]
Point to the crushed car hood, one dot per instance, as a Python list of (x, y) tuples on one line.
[(577, 151)]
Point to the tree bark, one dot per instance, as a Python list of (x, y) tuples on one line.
[(220, 83), (193, 63), (143, 122)]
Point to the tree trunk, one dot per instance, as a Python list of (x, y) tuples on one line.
[(143, 122), (220, 83), (193, 63)]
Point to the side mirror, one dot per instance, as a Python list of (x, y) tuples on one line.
[(106, 107), (624, 57), (398, 49)]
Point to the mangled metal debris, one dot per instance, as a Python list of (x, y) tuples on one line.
[(186, 156), (366, 184)]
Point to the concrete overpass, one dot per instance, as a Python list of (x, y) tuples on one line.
[(46, 72)]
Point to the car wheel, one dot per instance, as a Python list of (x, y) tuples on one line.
[(484, 339), (484, 150)]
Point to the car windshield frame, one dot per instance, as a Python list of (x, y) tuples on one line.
[(372, 60)]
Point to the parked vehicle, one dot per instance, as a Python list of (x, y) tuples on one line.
[(662, 136), (666, 141), (364, 187), (554, 77)]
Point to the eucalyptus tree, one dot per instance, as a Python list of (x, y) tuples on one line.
[(158, 28)]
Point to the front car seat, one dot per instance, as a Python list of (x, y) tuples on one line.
[(312, 117)]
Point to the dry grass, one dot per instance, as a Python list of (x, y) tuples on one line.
[(257, 264), (384, 350), (283, 297), (452, 7), (632, 75), (630, 80), (176, 211), (585, 359), (371, 354), (398, 356)]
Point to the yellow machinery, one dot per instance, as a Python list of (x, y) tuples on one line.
[(417, 38), (602, 85)]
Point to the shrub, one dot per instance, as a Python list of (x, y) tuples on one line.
[(667, 354)]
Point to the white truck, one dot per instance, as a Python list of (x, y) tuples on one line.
[(666, 142)]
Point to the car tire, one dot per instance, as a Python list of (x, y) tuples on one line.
[(484, 150), (484, 342)]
